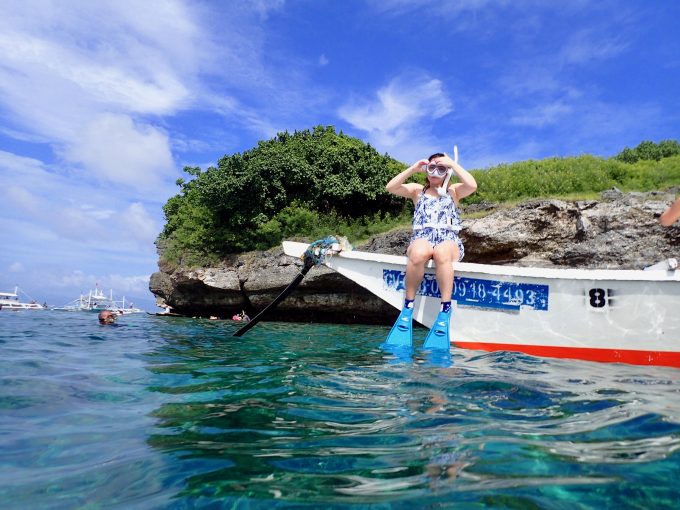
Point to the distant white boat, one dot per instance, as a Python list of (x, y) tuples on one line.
[(628, 316), (10, 301), (93, 301), (125, 308), (96, 301)]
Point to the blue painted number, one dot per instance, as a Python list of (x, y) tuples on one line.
[(478, 292)]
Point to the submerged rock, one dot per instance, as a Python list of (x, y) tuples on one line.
[(621, 231)]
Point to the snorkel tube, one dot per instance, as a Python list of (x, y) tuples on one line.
[(444, 188)]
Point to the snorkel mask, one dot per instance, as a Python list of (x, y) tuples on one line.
[(440, 171), (436, 170)]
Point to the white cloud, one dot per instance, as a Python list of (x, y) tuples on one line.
[(323, 60), (542, 115), (76, 278), (105, 227), (138, 223), (531, 76), (436, 7), (93, 57), (82, 223), (70, 209), (21, 200), (398, 111), (88, 77), (127, 284), (113, 148), (16, 267), (488, 152), (264, 7), (67, 70), (610, 127), (251, 118), (107, 81), (138, 284), (585, 46), (99, 85)]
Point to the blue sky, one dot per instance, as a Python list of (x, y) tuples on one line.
[(103, 103)]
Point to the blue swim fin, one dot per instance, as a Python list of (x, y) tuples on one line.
[(438, 337), (400, 353), (402, 331)]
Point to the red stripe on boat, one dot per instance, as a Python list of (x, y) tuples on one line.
[(661, 358)]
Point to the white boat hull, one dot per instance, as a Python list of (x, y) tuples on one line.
[(10, 301), (598, 315), (20, 306)]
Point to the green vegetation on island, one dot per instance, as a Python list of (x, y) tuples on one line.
[(308, 183), (316, 182)]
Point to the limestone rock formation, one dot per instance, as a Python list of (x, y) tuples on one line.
[(620, 231)]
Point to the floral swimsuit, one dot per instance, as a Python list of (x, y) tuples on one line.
[(436, 219)]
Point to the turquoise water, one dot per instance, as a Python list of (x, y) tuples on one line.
[(167, 412)]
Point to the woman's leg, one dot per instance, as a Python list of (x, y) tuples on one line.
[(419, 252), (444, 255)]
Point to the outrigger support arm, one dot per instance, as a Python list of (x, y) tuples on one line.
[(305, 269), (314, 255)]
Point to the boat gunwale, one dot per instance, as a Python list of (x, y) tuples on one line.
[(655, 275)]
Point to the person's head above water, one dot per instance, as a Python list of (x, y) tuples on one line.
[(107, 317)]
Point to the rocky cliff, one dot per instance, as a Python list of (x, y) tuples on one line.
[(618, 231)]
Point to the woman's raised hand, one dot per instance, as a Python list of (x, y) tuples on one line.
[(447, 160), (418, 165)]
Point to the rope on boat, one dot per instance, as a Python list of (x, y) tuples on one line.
[(318, 251)]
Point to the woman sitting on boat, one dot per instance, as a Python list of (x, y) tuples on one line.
[(436, 223)]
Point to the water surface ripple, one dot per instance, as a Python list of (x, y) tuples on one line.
[(176, 413)]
